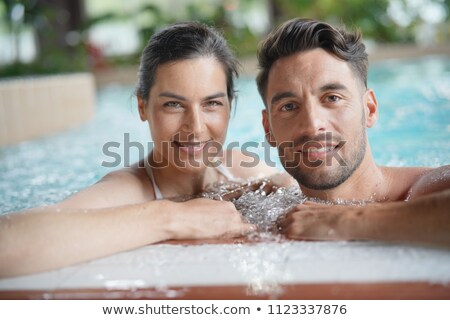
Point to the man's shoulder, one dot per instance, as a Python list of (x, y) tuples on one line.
[(410, 172), (402, 179)]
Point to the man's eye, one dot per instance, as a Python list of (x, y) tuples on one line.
[(288, 107), (333, 98), (214, 103)]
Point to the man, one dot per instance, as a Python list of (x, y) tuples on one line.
[(313, 81)]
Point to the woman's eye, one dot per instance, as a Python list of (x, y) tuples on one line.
[(172, 104), (288, 107)]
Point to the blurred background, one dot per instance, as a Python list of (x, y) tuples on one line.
[(102, 36)]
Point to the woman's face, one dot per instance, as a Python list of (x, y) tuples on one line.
[(188, 112)]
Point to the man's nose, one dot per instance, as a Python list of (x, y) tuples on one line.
[(313, 119)]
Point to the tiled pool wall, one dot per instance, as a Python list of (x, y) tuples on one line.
[(34, 107)]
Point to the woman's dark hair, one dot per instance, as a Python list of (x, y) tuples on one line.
[(298, 35), (185, 40)]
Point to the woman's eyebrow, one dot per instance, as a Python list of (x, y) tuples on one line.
[(172, 95), (178, 97)]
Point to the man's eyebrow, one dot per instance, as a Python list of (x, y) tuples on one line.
[(215, 96), (172, 95), (332, 86), (282, 95)]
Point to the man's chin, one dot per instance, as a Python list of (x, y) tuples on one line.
[(317, 179)]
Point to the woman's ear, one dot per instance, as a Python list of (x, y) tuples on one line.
[(142, 108), (266, 124), (371, 105)]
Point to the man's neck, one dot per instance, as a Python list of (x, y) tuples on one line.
[(367, 183)]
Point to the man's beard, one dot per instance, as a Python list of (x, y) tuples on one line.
[(330, 179)]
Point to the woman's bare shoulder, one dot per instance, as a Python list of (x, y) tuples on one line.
[(117, 188), (133, 176)]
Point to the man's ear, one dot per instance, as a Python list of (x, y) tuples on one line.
[(266, 124), (371, 105), (142, 108)]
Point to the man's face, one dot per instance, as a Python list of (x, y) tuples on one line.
[(317, 111)]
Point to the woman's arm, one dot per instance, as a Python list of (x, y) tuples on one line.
[(52, 237), (82, 228)]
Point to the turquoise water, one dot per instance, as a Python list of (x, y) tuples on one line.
[(413, 130)]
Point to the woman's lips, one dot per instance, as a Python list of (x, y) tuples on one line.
[(192, 147)]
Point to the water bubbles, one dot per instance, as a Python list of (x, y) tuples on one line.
[(259, 207), (263, 210)]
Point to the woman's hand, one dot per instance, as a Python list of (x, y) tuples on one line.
[(206, 219), (263, 186)]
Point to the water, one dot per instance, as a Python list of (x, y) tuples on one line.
[(263, 211), (413, 130)]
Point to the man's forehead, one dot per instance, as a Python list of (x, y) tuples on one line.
[(315, 60), (314, 68)]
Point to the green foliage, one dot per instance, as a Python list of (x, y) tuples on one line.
[(55, 55), (369, 16)]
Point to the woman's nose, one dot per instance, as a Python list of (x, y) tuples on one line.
[(194, 122)]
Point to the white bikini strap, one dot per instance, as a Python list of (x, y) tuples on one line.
[(225, 172), (158, 194)]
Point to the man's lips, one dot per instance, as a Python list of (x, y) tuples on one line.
[(318, 149)]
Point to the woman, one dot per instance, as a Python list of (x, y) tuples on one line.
[(185, 91)]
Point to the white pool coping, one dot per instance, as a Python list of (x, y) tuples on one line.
[(259, 266)]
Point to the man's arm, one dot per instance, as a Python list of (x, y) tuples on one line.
[(425, 220)]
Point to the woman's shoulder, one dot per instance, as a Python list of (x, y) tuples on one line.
[(130, 180), (134, 175), (117, 188)]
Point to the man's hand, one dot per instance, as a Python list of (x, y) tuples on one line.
[(315, 221)]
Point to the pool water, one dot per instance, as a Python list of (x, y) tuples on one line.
[(413, 130)]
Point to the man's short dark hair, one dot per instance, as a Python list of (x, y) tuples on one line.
[(298, 35)]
